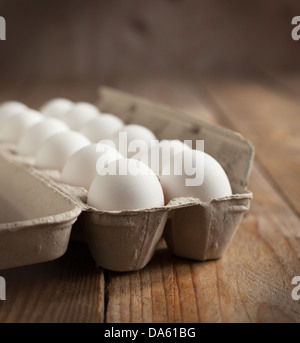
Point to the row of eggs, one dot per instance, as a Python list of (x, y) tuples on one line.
[(64, 135)]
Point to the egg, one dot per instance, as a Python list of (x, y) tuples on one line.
[(101, 127), (81, 168), (12, 127), (37, 134), (128, 184), (57, 149), (161, 152), (56, 107), (80, 114), (10, 108), (195, 174), (133, 139)]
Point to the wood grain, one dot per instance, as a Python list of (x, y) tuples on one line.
[(93, 39), (67, 290), (271, 121)]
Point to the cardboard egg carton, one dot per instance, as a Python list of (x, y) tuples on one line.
[(39, 214)]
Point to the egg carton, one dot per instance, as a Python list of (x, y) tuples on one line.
[(39, 214)]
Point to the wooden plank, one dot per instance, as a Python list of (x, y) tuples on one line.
[(70, 290), (251, 283), (14, 91), (37, 93), (126, 38), (288, 82), (270, 119)]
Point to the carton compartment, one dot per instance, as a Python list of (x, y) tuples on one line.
[(24, 197), (35, 222), (124, 241), (202, 231), (8, 212)]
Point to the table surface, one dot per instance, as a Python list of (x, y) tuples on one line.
[(252, 282)]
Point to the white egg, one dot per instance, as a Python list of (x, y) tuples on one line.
[(161, 153), (101, 127), (56, 150), (133, 139), (12, 127), (10, 108), (80, 114), (134, 186), (81, 168), (56, 107), (194, 174), (37, 134)]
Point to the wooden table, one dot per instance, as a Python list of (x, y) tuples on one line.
[(253, 280)]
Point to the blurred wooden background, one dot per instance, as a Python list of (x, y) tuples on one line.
[(88, 39)]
